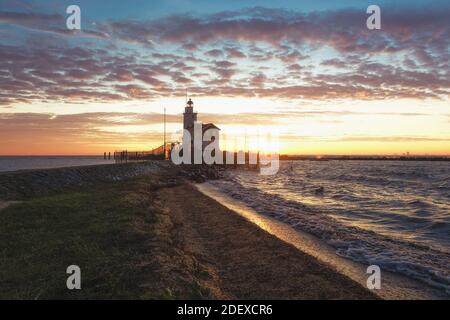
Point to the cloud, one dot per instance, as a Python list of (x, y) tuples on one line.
[(403, 28), (214, 53), (337, 63), (255, 52), (53, 23), (235, 53), (393, 139), (31, 133)]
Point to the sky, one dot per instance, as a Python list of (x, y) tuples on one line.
[(308, 72)]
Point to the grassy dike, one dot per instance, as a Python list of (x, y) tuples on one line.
[(149, 235), (114, 231)]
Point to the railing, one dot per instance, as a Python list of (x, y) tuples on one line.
[(154, 154)]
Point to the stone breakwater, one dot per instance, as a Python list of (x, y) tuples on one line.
[(29, 183), (23, 184), (201, 173)]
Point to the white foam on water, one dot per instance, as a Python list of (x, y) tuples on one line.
[(395, 215)]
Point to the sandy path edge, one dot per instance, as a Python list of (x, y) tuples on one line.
[(246, 262)]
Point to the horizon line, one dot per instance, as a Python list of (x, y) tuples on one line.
[(280, 154)]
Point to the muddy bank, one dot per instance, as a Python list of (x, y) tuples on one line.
[(238, 260)]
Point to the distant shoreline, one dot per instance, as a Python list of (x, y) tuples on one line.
[(374, 158), (19, 163), (282, 157)]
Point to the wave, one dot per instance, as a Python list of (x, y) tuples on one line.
[(401, 233)]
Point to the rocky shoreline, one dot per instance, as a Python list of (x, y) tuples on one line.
[(23, 184)]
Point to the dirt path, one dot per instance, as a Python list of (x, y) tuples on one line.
[(244, 262)]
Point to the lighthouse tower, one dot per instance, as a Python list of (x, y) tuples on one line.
[(189, 116), (189, 119)]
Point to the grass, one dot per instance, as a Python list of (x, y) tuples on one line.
[(41, 237), (143, 239), (109, 231)]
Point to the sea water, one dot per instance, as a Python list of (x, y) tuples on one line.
[(14, 163), (394, 214)]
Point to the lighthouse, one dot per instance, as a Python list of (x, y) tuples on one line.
[(189, 116)]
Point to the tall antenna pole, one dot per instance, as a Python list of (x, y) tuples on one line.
[(164, 133), (245, 142)]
